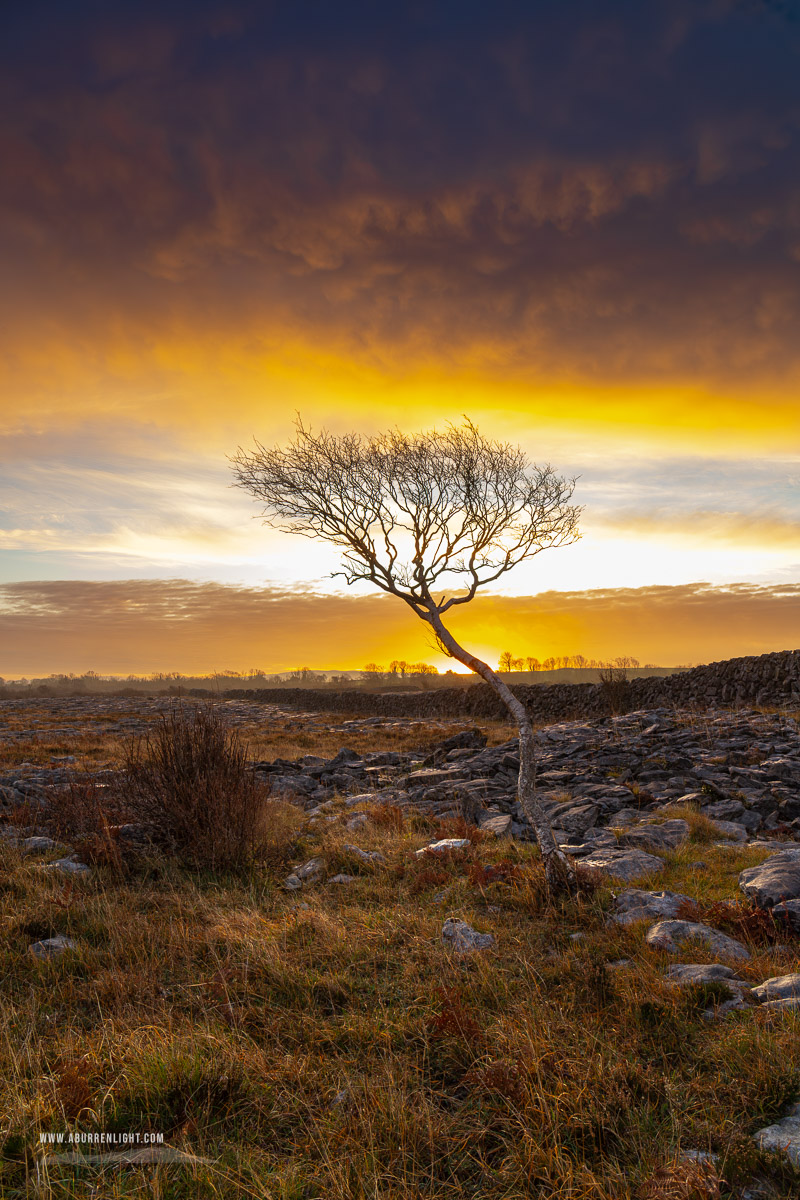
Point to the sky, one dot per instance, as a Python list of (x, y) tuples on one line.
[(577, 224)]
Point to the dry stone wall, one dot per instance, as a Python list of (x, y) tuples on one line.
[(766, 679)]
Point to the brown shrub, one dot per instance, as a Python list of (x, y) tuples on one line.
[(191, 783), (500, 1077), (453, 1019), (388, 816)]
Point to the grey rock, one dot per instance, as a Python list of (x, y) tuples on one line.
[(366, 856), (666, 836), (444, 845), (637, 905), (574, 819), (38, 845), (624, 864), (497, 825), (671, 935), (779, 987), (359, 821), (774, 880), (783, 1136), (309, 872), (786, 1004), (703, 973), (52, 947), (457, 935), (341, 878), (732, 830), (68, 866)]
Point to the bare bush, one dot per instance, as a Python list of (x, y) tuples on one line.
[(191, 783)]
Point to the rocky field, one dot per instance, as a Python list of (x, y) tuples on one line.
[(387, 1003)]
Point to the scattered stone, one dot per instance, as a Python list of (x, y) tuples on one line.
[(627, 865), (783, 1136), (773, 881), (498, 825), (457, 935), (702, 973), (308, 873), (445, 844), (341, 878), (366, 856), (52, 947), (635, 905), (38, 845), (779, 987), (671, 935), (667, 836), (68, 866), (359, 821)]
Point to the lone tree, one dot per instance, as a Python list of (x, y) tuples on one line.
[(429, 518)]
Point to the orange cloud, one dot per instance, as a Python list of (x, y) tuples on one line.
[(147, 625)]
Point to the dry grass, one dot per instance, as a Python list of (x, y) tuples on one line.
[(327, 1045)]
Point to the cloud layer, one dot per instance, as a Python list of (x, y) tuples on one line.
[(146, 625), (556, 192)]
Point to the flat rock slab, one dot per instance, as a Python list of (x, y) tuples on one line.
[(310, 872), (626, 865), (445, 844), (463, 939), (666, 836), (38, 845), (636, 905), (497, 826), (776, 879), (52, 947), (783, 1136), (671, 935), (779, 987), (67, 866), (366, 856), (686, 973)]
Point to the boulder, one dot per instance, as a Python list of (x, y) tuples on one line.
[(367, 856), (671, 935), (626, 865), (309, 872), (52, 947), (444, 845), (67, 866), (467, 739), (497, 825), (463, 939), (779, 987), (703, 973), (636, 905), (574, 819), (666, 836), (783, 1136), (776, 879)]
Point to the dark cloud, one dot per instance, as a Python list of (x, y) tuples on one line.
[(603, 191), (145, 625)]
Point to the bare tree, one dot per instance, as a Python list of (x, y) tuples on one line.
[(505, 661), (429, 518)]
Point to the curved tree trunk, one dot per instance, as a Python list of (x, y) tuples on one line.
[(559, 871)]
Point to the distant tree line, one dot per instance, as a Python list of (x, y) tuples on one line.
[(510, 662)]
